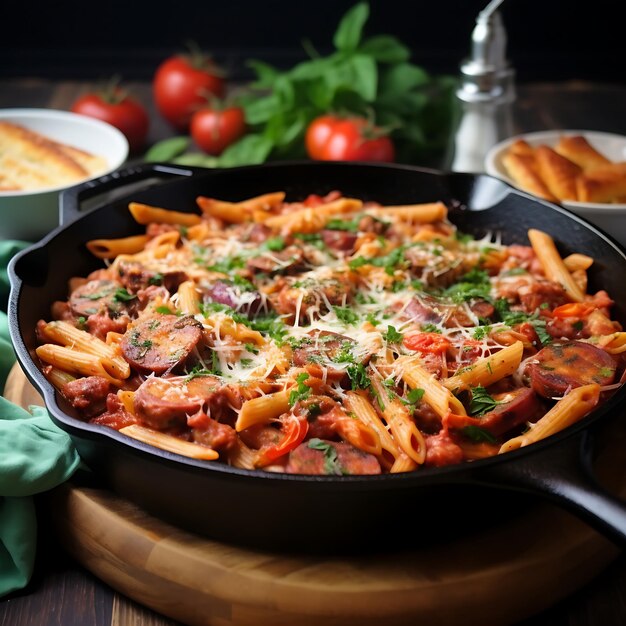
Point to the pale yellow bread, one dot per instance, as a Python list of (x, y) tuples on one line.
[(604, 184), (522, 168), (577, 149), (31, 161), (558, 172), (521, 146)]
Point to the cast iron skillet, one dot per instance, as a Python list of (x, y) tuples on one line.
[(303, 513)]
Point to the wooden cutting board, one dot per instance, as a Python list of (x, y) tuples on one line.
[(495, 577)]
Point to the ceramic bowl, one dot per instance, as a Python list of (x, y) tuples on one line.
[(609, 217), (29, 215)]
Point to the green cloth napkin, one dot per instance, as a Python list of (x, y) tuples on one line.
[(35, 456)]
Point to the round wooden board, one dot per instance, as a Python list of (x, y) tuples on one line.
[(495, 577)]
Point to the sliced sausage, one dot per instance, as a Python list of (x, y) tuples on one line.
[(559, 367), (421, 313), (541, 293), (514, 408), (334, 458), (441, 450), (211, 433), (164, 403), (158, 344), (115, 416), (98, 297), (340, 240), (287, 260), (88, 395), (247, 301), (181, 401), (134, 276)]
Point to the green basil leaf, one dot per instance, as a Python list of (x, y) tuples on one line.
[(365, 76), (167, 149), (249, 150), (196, 158), (401, 78), (262, 109), (266, 74), (385, 49), (348, 34)]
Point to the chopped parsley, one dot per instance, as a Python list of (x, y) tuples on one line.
[(358, 376), (346, 315), (121, 295), (481, 401), (392, 335), (301, 391), (478, 434), (274, 244), (197, 371), (331, 461)]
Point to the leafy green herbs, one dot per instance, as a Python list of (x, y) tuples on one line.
[(481, 401), (473, 285), (367, 76), (392, 335), (358, 376), (331, 460), (478, 434), (301, 391)]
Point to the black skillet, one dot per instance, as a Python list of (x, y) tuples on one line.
[(305, 513)]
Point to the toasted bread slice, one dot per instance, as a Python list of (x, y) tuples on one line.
[(522, 168), (93, 163), (577, 149), (604, 185), (30, 161), (521, 146), (558, 173)]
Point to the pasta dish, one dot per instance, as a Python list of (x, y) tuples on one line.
[(330, 335)]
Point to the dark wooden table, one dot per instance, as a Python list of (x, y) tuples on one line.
[(62, 593)]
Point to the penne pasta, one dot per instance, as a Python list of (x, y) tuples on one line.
[(111, 248), (436, 394), (402, 428), (239, 212), (552, 263), (363, 410), (489, 370), (79, 340), (262, 410), (79, 363), (188, 298), (414, 213), (146, 214), (168, 442), (567, 411)]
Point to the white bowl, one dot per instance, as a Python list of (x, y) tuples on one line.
[(609, 217), (29, 215)]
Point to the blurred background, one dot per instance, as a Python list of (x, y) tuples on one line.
[(548, 40)]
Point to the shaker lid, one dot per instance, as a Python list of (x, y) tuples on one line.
[(486, 74)]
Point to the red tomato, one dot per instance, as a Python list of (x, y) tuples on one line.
[(294, 432), (333, 138), (115, 106), (431, 343), (574, 309), (182, 84), (214, 130)]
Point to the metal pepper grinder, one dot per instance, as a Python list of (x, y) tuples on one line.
[(486, 94)]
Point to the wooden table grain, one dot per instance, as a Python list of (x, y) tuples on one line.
[(63, 593)]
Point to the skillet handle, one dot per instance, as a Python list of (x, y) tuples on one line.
[(565, 475), (92, 193)]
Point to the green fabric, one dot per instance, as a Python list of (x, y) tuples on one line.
[(7, 250), (35, 456)]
